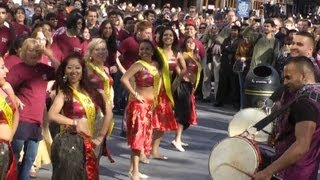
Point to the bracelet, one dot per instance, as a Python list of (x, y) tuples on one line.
[(74, 122), (135, 94)]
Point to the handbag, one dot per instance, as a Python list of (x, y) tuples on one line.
[(238, 66)]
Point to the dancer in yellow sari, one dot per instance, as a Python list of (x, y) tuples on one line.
[(99, 75), (140, 109), (9, 119), (185, 109), (78, 101)]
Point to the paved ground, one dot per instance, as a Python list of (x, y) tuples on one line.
[(189, 165)]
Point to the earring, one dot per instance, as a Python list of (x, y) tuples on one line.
[(64, 79)]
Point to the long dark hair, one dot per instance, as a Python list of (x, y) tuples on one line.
[(175, 40), (112, 40), (156, 54), (184, 45), (72, 21), (64, 86)]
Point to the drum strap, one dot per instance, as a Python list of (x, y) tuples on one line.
[(268, 119), (310, 91)]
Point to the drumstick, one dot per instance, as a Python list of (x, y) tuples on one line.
[(238, 169)]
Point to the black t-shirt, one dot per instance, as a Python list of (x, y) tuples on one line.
[(303, 110)]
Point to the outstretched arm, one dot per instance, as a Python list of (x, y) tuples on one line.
[(304, 131)]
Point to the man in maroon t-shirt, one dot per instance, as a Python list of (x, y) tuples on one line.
[(129, 48), (128, 29), (6, 35)]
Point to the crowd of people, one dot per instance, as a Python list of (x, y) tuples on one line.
[(61, 62)]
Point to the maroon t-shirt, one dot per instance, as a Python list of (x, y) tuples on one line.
[(11, 61), (21, 29), (29, 84), (64, 45), (62, 20), (6, 38), (129, 48), (199, 46), (123, 34), (111, 59)]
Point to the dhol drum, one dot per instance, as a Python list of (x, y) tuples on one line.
[(245, 119), (238, 158)]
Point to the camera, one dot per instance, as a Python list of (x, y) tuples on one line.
[(257, 20)]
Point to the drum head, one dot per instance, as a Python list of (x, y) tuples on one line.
[(237, 152), (246, 118)]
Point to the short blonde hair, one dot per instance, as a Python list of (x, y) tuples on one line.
[(27, 44), (93, 43)]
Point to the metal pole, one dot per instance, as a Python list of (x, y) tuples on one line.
[(199, 5), (206, 4)]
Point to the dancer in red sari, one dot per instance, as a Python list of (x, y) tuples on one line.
[(185, 109), (72, 153), (173, 65), (139, 111), (9, 119)]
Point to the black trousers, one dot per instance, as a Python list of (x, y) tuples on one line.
[(228, 89)]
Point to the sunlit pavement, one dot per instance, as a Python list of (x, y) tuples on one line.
[(189, 165)]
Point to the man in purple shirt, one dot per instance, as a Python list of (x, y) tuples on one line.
[(297, 130)]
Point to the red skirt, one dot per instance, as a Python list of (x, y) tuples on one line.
[(139, 129), (164, 114), (92, 166), (193, 114)]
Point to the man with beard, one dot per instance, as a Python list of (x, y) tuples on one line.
[(302, 45), (297, 140)]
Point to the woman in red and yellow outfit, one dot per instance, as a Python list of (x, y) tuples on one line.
[(99, 75), (78, 101), (173, 64), (185, 109), (9, 119), (139, 111)]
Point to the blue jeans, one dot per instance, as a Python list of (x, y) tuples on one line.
[(30, 149)]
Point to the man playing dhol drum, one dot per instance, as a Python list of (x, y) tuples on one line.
[(297, 140)]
